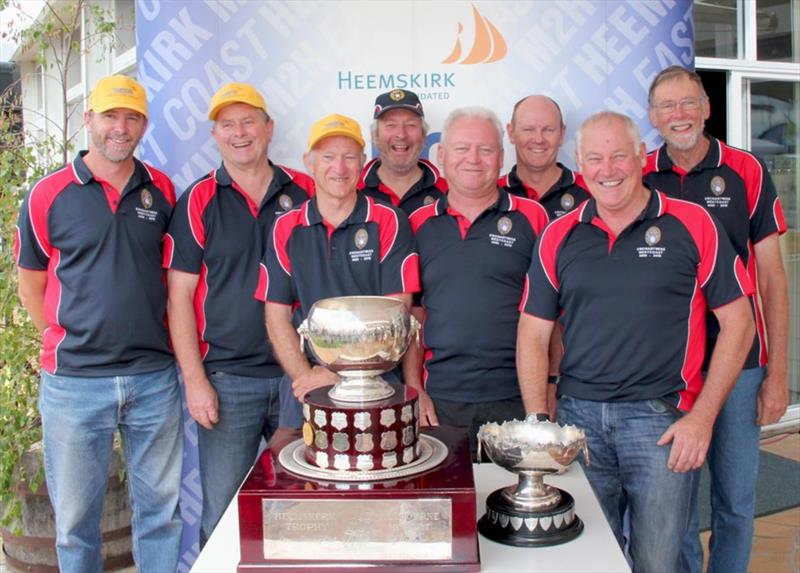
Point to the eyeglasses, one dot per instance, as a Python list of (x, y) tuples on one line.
[(686, 104)]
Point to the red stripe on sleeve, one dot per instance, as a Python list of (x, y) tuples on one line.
[(701, 228), (533, 211), (525, 290), (551, 240), (305, 182), (281, 231), (420, 215), (168, 251), (263, 283), (388, 228), (199, 197), (55, 333), (694, 352), (42, 196), (749, 169), (163, 183), (410, 273), (780, 218), (200, 295)]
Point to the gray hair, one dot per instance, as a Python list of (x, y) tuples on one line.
[(476, 112), (673, 73), (606, 115)]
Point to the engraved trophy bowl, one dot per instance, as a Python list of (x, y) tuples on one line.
[(531, 513), (359, 338)]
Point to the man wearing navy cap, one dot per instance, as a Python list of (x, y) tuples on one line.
[(398, 176), (338, 243), (475, 246), (630, 274), (89, 256), (213, 247)]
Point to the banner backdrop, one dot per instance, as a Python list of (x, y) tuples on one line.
[(314, 58)]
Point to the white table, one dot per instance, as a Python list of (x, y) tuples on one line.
[(594, 550)]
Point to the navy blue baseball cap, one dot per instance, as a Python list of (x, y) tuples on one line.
[(398, 99)]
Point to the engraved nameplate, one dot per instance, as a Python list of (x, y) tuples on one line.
[(358, 529)]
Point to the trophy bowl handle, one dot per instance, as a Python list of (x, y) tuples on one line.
[(414, 328), (302, 330)]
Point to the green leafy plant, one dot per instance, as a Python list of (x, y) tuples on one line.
[(20, 426), (58, 37)]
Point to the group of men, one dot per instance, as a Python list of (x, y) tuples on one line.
[(599, 287)]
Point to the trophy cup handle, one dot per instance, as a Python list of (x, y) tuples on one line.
[(414, 328), (585, 452), (302, 330)]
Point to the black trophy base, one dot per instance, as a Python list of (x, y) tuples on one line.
[(508, 525)]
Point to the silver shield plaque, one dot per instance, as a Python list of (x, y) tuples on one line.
[(358, 529)]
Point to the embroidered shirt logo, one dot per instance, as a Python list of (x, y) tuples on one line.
[(145, 212), (360, 240), (652, 237), (285, 202)]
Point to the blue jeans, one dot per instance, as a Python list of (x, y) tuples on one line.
[(628, 472), (79, 418), (248, 411), (733, 465)]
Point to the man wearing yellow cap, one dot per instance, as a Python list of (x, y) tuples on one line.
[(213, 248), (89, 257), (338, 243)]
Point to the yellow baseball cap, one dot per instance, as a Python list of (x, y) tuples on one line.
[(235, 93), (118, 91), (335, 124)]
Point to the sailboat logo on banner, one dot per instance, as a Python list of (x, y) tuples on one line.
[(487, 47)]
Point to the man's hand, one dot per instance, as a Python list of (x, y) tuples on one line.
[(201, 400), (314, 378), (427, 413), (690, 437), (773, 398)]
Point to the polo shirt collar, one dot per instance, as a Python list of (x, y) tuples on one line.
[(279, 176), (656, 206), (504, 203), (358, 216), (712, 159), (370, 178), (140, 176), (567, 178)]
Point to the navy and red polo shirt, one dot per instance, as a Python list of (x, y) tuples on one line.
[(105, 298), (218, 232), (472, 278), (430, 187), (567, 193), (372, 252), (633, 306), (735, 186)]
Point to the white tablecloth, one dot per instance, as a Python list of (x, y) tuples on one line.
[(594, 550)]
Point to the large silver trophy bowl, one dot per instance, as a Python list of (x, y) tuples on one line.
[(359, 338), (531, 513)]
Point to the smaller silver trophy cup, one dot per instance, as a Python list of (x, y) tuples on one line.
[(359, 338), (531, 513)]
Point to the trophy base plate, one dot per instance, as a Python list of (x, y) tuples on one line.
[(505, 524)]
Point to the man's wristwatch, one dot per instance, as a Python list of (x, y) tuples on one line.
[(553, 379), (537, 417)]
